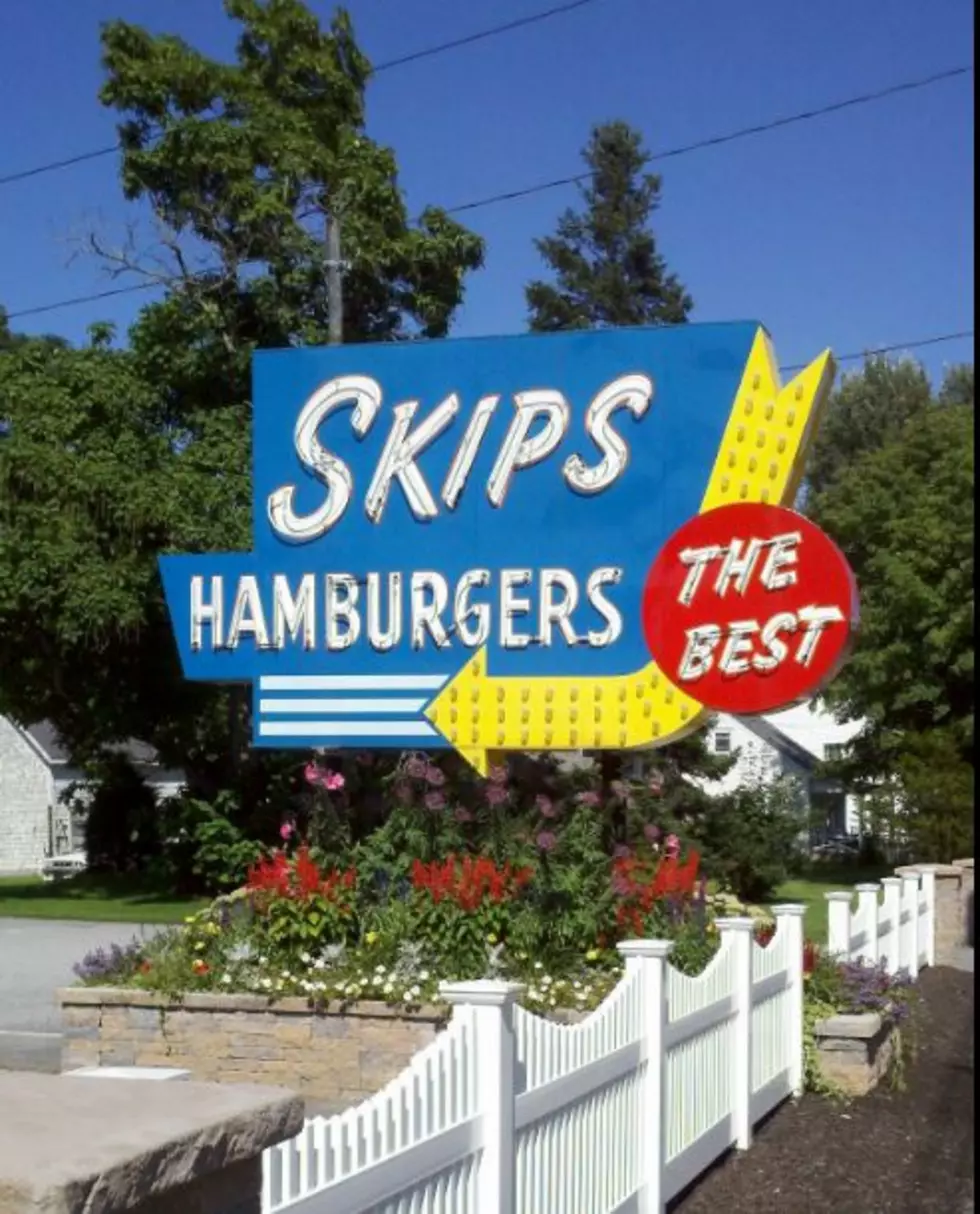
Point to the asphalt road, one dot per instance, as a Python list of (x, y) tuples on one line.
[(36, 957)]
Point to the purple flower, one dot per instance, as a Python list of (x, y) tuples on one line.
[(651, 833), (621, 884), (547, 840), (434, 777), (115, 962), (546, 807), (462, 815), (496, 794), (498, 775), (622, 852), (435, 801), (588, 798)]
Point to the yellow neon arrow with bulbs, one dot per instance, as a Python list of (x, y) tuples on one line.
[(760, 459)]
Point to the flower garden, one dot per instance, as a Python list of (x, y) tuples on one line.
[(535, 887)]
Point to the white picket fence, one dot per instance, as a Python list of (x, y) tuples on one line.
[(899, 928), (508, 1113)]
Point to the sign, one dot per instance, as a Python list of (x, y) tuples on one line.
[(452, 540), (749, 608)]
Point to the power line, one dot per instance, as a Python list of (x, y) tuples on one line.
[(527, 191), (876, 351), (745, 132), (387, 65)]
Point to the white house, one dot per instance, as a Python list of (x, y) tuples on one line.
[(35, 770), (790, 743)]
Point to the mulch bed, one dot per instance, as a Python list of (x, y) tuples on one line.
[(892, 1152)]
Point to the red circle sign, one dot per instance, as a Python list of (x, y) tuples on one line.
[(749, 608)]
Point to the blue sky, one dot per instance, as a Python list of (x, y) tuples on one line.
[(853, 230)]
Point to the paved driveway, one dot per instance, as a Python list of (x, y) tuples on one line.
[(36, 957)]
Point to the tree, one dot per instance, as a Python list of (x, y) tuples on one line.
[(868, 408), (902, 512), (115, 456), (605, 260), (608, 271)]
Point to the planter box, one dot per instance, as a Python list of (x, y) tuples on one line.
[(334, 1059), (855, 1052)]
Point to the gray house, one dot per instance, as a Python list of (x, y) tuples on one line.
[(36, 825)]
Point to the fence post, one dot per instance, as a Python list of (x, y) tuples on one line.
[(927, 922), (649, 958), (891, 911), (789, 919), (739, 932), (839, 924), (491, 1004), (867, 914), (909, 925)]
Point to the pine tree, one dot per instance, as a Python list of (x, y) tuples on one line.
[(606, 265), (608, 271)]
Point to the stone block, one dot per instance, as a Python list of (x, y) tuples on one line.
[(137, 1145), (855, 1052), (330, 1027)]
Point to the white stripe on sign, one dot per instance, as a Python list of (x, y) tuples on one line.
[(342, 705), (352, 682), (346, 729)]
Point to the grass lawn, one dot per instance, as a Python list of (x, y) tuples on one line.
[(106, 899), (810, 890)]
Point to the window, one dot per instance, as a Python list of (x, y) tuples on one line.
[(723, 742), (833, 752)]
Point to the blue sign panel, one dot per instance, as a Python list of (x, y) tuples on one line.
[(417, 503)]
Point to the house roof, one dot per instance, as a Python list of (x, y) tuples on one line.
[(48, 743), (763, 728)]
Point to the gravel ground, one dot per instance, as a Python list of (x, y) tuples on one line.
[(892, 1152)]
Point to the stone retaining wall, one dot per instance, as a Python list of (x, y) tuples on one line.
[(855, 1052), (332, 1059)]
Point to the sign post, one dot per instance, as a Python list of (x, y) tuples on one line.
[(557, 542)]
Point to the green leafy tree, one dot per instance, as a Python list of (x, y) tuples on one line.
[(867, 409), (111, 457), (605, 261), (903, 514)]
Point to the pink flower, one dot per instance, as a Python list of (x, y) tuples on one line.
[(622, 852), (546, 841), (333, 781), (656, 783), (496, 795), (286, 831), (435, 801), (311, 773), (651, 833), (545, 806), (435, 777), (498, 775), (588, 798), (462, 814), (672, 845), (416, 768)]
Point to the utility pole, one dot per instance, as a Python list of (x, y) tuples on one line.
[(335, 282)]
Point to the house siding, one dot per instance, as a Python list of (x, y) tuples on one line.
[(26, 792)]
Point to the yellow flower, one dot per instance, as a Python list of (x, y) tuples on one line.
[(189, 918), (199, 945), (492, 938), (592, 955), (213, 929), (371, 938), (711, 927)]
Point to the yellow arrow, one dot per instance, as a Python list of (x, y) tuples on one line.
[(760, 459)]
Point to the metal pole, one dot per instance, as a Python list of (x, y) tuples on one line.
[(335, 283)]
